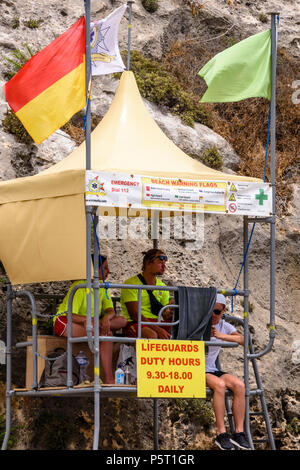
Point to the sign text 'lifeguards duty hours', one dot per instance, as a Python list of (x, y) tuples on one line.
[(167, 368)]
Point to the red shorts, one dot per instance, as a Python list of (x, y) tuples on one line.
[(131, 329), (60, 325)]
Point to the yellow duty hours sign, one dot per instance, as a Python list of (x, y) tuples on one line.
[(170, 368)]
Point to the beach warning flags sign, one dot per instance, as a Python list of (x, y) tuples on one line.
[(50, 88)]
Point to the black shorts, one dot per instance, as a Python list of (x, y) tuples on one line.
[(218, 373)]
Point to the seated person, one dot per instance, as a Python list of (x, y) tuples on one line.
[(218, 381), (107, 324), (154, 264)]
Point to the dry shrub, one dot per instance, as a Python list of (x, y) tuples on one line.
[(159, 86), (185, 59), (194, 5), (75, 127)]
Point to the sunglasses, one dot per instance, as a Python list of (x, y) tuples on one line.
[(162, 257), (217, 312)]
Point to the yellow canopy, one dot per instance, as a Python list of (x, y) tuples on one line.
[(42, 217)]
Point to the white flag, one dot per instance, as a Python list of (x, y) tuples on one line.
[(105, 53)]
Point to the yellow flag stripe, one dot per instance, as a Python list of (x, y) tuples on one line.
[(52, 108)]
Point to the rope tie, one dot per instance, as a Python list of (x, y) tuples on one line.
[(86, 110), (50, 358), (88, 99), (235, 293)]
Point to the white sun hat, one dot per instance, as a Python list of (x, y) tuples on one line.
[(221, 299)]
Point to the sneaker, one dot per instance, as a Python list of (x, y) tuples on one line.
[(223, 441), (239, 440)]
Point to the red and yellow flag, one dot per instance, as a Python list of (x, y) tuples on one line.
[(50, 88)]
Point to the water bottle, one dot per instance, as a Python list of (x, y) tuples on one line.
[(83, 363), (119, 375)]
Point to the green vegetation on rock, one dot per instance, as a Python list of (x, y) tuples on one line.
[(12, 124), (33, 24), (12, 437), (194, 409), (211, 157), (159, 86), (150, 5), (17, 61)]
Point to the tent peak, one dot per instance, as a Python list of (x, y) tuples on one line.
[(128, 140)]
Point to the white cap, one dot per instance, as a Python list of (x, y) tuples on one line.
[(221, 299)]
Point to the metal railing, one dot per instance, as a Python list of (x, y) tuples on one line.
[(94, 344)]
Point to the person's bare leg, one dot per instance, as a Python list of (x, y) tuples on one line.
[(106, 349), (237, 386), (218, 386), (148, 333), (77, 330), (118, 322)]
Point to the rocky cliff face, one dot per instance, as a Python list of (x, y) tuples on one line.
[(214, 262)]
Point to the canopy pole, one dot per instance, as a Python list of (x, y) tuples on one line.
[(155, 235), (129, 3), (155, 227), (246, 334), (8, 360), (96, 342)]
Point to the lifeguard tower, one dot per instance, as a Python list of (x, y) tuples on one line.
[(47, 220)]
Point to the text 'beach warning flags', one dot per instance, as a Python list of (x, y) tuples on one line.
[(105, 55), (50, 88), (239, 72)]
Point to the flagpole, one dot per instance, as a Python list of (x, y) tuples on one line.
[(129, 3), (273, 168), (88, 208), (273, 103), (93, 344), (88, 80)]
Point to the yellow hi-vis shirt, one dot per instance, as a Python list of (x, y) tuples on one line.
[(131, 295), (79, 301)]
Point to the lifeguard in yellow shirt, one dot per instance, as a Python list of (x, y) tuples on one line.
[(154, 264), (108, 321)]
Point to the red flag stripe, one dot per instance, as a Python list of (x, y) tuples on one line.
[(47, 66)]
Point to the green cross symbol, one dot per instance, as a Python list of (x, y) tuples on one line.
[(261, 197)]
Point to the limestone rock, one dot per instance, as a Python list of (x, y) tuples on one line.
[(193, 140), (296, 352)]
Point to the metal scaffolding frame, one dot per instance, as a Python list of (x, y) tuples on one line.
[(92, 281), (97, 389)]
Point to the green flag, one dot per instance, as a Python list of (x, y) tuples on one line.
[(241, 71)]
